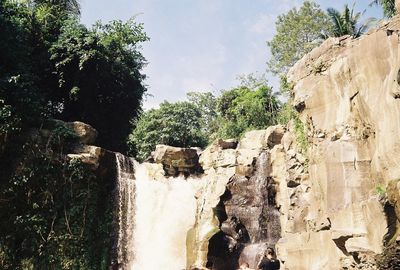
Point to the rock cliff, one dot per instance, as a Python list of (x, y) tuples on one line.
[(335, 206), (347, 92)]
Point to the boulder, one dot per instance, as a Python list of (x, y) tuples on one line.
[(176, 160), (86, 133), (88, 154)]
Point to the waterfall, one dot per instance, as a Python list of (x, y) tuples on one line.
[(165, 211), (155, 215), (126, 210)]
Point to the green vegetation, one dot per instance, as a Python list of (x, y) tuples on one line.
[(175, 124), (53, 66), (297, 33), (205, 117), (288, 114), (380, 190), (54, 211), (246, 108), (55, 214), (347, 22)]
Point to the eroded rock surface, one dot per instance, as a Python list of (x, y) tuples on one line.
[(237, 214), (339, 217)]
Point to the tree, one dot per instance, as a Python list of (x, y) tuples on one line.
[(100, 82), (176, 124), (242, 109), (346, 22), (297, 33), (206, 103), (388, 6), (68, 6)]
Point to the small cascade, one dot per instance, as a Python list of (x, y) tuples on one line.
[(165, 211), (126, 210), (271, 222)]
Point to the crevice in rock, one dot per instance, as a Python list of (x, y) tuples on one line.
[(391, 219), (341, 244), (300, 106), (398, 77), (354, 95)]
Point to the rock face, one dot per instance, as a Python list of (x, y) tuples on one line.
[(237, 215), (337, 218), (176, 160)]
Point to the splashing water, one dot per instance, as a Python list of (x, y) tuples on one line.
[(155, 216), (165, 211), (126, 210)]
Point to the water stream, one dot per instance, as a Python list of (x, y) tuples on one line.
[(155, 216)]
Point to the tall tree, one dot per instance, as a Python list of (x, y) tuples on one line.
[(206, 103), (297, 33), (347, 22)]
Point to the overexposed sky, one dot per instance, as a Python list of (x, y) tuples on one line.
[(202, 45)]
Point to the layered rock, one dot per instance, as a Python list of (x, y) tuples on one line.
[(176, 160), (347, 93), (237, 215)]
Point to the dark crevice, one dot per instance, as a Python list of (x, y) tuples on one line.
[(354, 95), (391, 220), (341, 244)]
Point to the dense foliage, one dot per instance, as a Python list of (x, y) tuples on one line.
[(347, 22), (297, 33), (99, 77), (242, 109), (175, 124), (54, 212), (53, 66), (205, 117)]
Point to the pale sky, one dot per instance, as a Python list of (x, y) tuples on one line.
[(202, 45)]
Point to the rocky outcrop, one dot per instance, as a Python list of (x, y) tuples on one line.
[(176, 160), (86, 133), (336, 214), (237, 215)]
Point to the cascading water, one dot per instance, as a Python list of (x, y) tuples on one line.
[(126, 210), (155, 215), (165, 212)]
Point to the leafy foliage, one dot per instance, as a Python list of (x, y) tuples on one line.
[(206, 103), (205, 117), (242, 109), (347, 22), (298, 32), (55, 214), (175, 124), (99, 79), (50, 208)]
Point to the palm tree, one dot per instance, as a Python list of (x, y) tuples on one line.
[(388, 6), (346, 22)]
